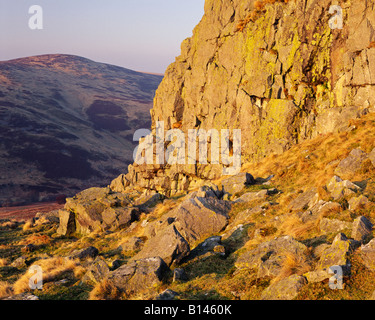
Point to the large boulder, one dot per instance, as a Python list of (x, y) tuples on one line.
[(305, 200), (362, 228), (237, 183), (140, 275), (67, 225), (350, 165), (196, 218), (268, 257), (98, 208), (168, 245)]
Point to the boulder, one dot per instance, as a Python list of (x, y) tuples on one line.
[(19, 263), (237, 183), (97, 271), (117, 218), (350, 165), (362, 228), (368, 255), (67, 224), (196, 218), (371, 156), (337, 254), (254, 196), (140, 275), (119, 184), (209, 246), (168, 245), (285, 289), (132, 244), (83, 254), (305, 200), (100, 209), (333, 225), (179, 274), (269, 256), (167, 295), (357, 203), (341, 188)]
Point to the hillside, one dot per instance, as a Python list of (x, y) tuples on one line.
[(67, 123), (295, 223)]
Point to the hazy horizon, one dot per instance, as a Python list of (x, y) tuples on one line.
[(140, 35)]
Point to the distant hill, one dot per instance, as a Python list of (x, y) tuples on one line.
[(67, 123)]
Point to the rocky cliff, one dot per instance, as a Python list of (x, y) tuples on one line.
[(274, 69)]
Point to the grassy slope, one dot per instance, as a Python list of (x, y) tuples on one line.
[(310, 164)]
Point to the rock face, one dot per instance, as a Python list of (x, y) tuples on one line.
[(279, 74), (70, 128)]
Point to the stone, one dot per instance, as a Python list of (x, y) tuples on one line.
[(237, 183), (97, 271), (132, 244), (362, 228), (350, 165), (338, 254), (368, 255), (179, 274), (253, 196), (207, 248), (317, 275), (118, 218), (139, 275), (67, 225), (149, 200), (333, 225), (357, 203), (83, 254), (305, 200), (371, 156), (196, 218), (19, 263), (341, 188), (119, 184), (267, 258), (285, 289), (89, 206), (167, 295), (169, 245)]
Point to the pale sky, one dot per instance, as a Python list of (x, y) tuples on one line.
[(142, 35)]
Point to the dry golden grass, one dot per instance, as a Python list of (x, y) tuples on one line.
[(36, 239), (3, 262), (293, 226), (52, 268), (293, 264), (5, 289), (27, 226), (105, 290)]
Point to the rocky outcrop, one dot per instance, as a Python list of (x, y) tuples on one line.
[(279, 73)]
